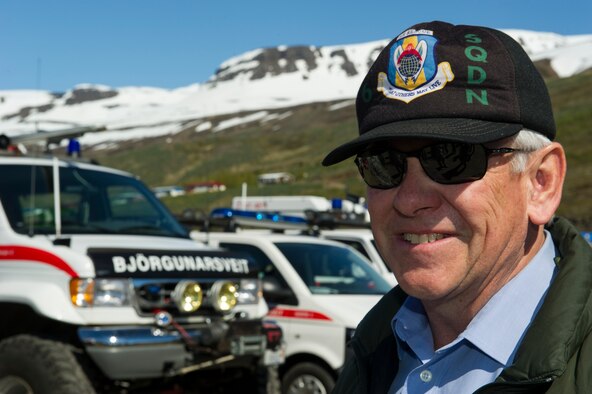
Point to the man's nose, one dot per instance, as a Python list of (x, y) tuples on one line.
[(417, 193)]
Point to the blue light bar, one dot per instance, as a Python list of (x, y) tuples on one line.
[(227, 213)]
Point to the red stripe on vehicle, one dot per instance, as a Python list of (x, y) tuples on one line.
[(297, 314), (12, 252)]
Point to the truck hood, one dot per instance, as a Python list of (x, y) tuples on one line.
[(82, 243), (159, 257)]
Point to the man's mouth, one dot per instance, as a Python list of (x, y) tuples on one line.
[(417, 239)]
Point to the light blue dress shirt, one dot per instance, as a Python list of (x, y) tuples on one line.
[(487, 345)]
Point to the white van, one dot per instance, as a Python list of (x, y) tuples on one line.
[(317, 291), (362, 240)]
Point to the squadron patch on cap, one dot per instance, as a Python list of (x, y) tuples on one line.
[(412, 69)]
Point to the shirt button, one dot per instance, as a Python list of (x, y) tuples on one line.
[(425, 376)]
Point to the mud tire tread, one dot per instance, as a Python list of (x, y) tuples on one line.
[(49, 367)]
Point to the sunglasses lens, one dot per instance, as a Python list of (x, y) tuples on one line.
[(454, 162), (383, 170)]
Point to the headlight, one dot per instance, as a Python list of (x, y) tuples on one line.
[(224, 296), (99, 292), (188, 296), (249, 291)]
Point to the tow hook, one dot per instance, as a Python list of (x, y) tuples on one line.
[(203, 342), (164, 319)]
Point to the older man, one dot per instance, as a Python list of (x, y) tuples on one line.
[(495, 294)]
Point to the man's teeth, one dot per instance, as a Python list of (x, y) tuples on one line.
[(421, 238)]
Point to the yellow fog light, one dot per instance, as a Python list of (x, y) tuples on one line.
[(224, 296), (188, 296)]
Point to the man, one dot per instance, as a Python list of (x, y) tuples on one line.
[(495, 294)]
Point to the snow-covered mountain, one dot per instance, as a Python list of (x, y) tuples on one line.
[(259, 83)]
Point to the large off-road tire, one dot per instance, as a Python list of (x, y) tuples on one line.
[(31, 365), (307, 378)]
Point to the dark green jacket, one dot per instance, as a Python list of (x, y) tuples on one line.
[(555, 355)]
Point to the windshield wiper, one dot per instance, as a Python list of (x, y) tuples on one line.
[(143, 228), (103, 229)]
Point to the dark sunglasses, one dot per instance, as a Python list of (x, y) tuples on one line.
[(445, 162)]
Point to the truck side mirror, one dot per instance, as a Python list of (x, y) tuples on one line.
[(275, 293)]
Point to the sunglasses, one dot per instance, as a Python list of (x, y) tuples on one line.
[(447, 163)]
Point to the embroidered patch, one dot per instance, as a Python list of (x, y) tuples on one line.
[(412, 70)]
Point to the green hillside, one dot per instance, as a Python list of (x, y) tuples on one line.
[(298, 139)]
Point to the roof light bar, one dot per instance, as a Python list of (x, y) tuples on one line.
[(259, 219)]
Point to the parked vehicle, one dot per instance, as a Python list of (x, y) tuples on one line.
[(273, 178), (101, 289), (363, 241), (298, 206), (333, 225), (168, 191), (317, 290)]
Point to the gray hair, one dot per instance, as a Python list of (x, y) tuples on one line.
[(527, 141)]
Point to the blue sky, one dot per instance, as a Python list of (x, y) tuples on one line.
[(54, 45)]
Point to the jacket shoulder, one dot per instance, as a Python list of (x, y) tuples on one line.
[(560, 330), (577, 377)]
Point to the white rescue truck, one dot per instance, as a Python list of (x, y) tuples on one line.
[(102, 290), (318, 291)]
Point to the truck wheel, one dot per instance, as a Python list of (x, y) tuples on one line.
[(14, 385), (307, 378), (30, 365)]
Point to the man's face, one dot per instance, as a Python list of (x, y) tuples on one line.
[(451, 242)]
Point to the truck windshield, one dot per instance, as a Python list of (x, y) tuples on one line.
[(329, 269), (91, 202)]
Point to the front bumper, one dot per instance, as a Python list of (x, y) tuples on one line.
[(136, 352)]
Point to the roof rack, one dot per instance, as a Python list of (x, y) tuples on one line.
[(268, 220), (49, 155), (232, 219), (336, 218)]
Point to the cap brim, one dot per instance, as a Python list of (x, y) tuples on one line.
[(451, 129)]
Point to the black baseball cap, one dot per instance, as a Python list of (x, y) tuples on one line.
[(450, 82)]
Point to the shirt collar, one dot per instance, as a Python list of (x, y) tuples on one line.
[(412, 329)]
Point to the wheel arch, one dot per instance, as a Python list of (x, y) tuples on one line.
[(20, 318), (303, 358)]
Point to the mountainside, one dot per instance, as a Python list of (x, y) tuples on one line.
[(296, 139), (279, 109), (262, 79)]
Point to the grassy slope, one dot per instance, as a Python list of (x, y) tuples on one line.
[(572, 104), (298, 143)]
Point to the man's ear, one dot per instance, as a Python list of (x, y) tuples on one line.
[(546, 173)]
